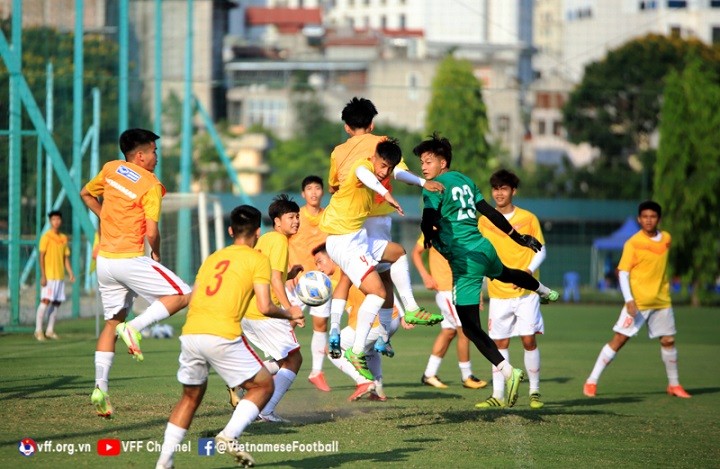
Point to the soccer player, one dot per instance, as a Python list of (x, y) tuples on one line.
[(301, 245), (358, 115), (349, 247), (54, 261), (439, 279), (129, 214), (513, 311), (642, 274), (275, 336), (212, 336), (449, 224)]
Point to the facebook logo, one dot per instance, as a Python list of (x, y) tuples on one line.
[(206, 446)]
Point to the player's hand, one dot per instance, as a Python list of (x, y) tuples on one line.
[(632, 308), (294, 271), (430, 283), (43, 280), (433, 186), (405, 325), (71, 278), (155, 256), (394, 203), (526, 240)]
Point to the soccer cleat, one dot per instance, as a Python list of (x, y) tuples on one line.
[(40, 336), (433, 381), (132, 338), (422, 317), (358, 362), (678, 391), (232, 447), (361, 390), (379, 392), (490, 403), (535, 402), (101, 401), (319, 382), (512, 384), (272, 417), (474, 383), (334, 344), (234, 396), (51, 335), (590, 389), (384, 347), (373, 396), (551, 297)]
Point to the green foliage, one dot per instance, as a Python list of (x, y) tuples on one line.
[(457, 111), (687, 173)]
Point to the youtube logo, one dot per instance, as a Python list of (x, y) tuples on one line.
[(108, 447)]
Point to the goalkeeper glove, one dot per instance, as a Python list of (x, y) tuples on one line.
[(526, 240)]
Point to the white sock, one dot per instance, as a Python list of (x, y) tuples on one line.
[(346, 367), (103, 363), (51, 315), (337, 307), (400, 274), (367, 312), (245, 413), (154, 313), (532, 366), (385, 318), (283, 380), (272, 366), (604, 358), (433, 365), (374, 363), (174, 435), (39, 316), (500, 373), (542, 290), (465, 370), (317, 348), (669, 357)]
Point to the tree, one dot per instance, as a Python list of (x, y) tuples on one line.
[(687, 172), (457, 111)]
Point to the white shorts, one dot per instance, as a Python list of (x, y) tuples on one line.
[(513, 317), (274, 336), (351, 252), (122, 280), (322, 311), (234, 360), (347, 336), (378, 233), (661, 322), (54, 290), (444, 300)]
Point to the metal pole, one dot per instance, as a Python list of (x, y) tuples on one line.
[(94, 168), (158, 82), (123, 66), (78, 71), (49, 97)]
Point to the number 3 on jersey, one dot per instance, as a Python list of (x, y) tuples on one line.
[(221, 267), (465, 195)]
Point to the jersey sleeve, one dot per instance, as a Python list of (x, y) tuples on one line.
[(261, 274), (96, 186), (627, 260), (431, 199), (536, 230), (151, 202), (278, 255), (333, 180), (43, 243), (478, 194)]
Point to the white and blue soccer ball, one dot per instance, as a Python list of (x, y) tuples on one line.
[(161, 331), (314, 288)]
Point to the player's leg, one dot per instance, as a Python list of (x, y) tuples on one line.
[(40, 316), (363, 385), (375, 293), (337, 308), (382, 345), (524, 280), (661, 324), (442, 342), (529, 322), (374, 360), (52, 313), (318, 344), (444, 300)]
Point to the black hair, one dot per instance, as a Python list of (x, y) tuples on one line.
[(319, 248), (359, 113), (131, 139), (54, 213), (650, 205), (312, 179), (281, 205), (390, 151), (438, 146), (244, 221), (503, 177)]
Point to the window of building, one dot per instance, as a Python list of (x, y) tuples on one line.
[(403, 25), (675, 31), (413, 82), (366, 2), (383, 22), (503, 123), (648, 5), (714, 3), (557, 128), (677, 3), (542, 127), (716, 34)]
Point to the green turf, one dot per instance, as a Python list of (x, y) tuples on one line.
[(45, 389)]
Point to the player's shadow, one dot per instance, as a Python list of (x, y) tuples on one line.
[(429, 394), (24, 391), (557, 379), (398, 455), (596, 401)]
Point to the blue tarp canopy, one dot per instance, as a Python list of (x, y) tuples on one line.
[(616, 240)]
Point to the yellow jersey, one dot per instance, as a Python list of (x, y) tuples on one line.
[(646, 260), (350, 206), (275, 246), (55, 247), (346, 154), (438, 267), (130, 195), (511, 254), (224, 288), (305, 240)]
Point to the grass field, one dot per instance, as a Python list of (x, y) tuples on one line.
[(45, 389)]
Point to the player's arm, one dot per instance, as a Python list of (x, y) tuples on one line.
[(497, 219), (429, 225), (43, 278), (404, 175), (369, 179), (68, 267), (428, 281), (624, 281), (333, 183), (269, 309), (92, 202), (151, 205)]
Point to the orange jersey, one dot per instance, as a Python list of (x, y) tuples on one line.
[(355, 299), (55, 247), (439, 267), (646, 260), (224, 288), (130, 195), (305, 240), (345, 154)]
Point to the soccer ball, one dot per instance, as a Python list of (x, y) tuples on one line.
[(314, 288), (161, 331)]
